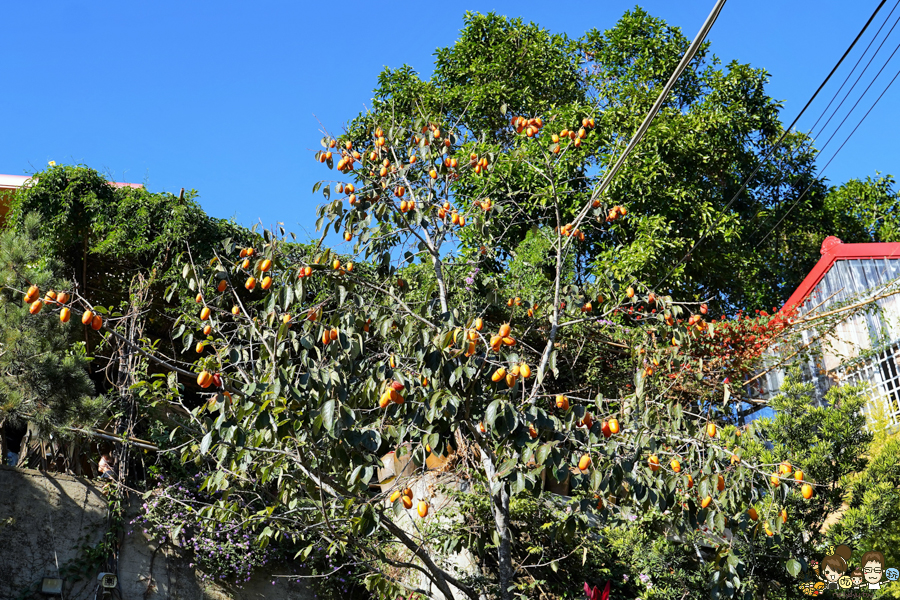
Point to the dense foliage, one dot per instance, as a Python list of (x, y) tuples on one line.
[(43, 374), (713, 131), (497, 324)]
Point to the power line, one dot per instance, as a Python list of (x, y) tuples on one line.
[(645, 125), (847, 95), (850, 74), (776, 144), (836, 152)]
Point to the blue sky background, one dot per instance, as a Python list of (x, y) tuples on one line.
[(224, 97)]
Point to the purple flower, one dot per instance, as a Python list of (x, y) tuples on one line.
[(625, 577), (644, 577)]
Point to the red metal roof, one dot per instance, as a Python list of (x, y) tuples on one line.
[(833, 250)]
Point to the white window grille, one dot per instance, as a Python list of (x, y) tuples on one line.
[(880, 373)]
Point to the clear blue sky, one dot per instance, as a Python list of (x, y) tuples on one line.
[(223, 97)]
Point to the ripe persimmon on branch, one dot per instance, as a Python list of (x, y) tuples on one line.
[(318, 365)]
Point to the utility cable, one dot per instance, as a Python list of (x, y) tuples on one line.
[(776, 144), (813, 135), (850, 112), (833, 156), (645, 125)]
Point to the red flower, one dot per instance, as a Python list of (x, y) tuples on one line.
[(595, 593)]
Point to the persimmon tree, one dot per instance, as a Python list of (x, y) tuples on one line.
[(317, 364)]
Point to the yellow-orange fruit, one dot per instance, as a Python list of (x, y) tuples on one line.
[(785, 468), (509, 341), (676, 466), (96, 322), (63, 298), (423, 509), (498, 374), (50, 297), (479, 324), (584, 463), (720, 483), (774, 480), (265, 265), (199, 347), (204, 379), (614, 426), (223, 285), (798, 476), (35, 307), (86, 317), (395, 496), (630, 292), (207, 330), (653, 461), (510, 380), (532, 431), (235, 310), (32, 294), (407, 502), (204, 313), (504, 330), (562, 402), (752, 514), (65, 315), (690, 482), (250, 283), (333, 334), (706, 502), (245, 264), (525, 370), (286, 319), (384, 400), (266, 282), (711, 429), (807, 491), (408, 492), (783, 515), (199, 299)]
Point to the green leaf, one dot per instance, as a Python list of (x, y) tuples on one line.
[(793, 567), (328, 414), (204, 444), (491, 414)]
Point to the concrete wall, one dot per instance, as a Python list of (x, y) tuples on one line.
[(46, 519)]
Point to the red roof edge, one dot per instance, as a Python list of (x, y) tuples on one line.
[(833, 250)]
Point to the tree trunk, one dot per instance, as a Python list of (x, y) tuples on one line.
[(500, 507), (504, 551)]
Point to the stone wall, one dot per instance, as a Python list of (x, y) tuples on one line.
[(46, 520)]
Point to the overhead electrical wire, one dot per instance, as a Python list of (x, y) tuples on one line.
[(797, 201), (813, 135), (645, 125), (777, 142), (850, 74), (843, 121)]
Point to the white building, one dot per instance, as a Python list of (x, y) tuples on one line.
[(857, 288)]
